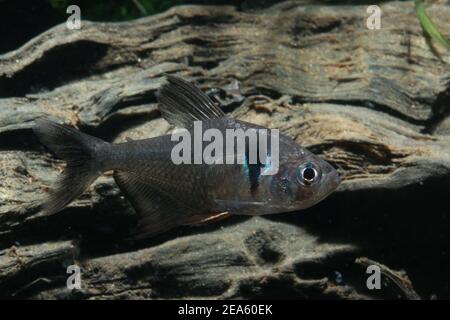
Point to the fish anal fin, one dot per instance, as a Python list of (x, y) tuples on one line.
[(157, 212)]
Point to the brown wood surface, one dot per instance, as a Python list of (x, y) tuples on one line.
[(373, 102)]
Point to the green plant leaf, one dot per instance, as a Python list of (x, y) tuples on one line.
[(428, 26)]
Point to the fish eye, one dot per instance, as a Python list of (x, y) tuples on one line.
[(308, 174)]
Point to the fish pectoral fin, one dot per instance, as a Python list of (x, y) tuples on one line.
[(182, 103), (156, 211), (201, 219)]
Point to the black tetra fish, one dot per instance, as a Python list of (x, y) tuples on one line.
[(165, 194)]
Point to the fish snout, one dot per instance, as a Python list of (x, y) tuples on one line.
[(333, 180), (333, 177), (336, 179)]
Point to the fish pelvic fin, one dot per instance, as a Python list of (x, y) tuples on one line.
[(202, 219), (182, 103), (79, 151)]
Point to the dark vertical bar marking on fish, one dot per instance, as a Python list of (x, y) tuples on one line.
[(253, 170)]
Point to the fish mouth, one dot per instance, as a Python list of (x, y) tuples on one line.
[(336, 180), (333, 183)]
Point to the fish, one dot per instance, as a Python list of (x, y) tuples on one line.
[(165, 194)]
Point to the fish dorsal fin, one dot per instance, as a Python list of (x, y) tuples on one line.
[(182, 103)]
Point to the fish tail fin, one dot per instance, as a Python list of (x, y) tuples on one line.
[(80, 151)]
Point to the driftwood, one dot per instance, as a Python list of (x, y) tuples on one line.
[(373, 102)]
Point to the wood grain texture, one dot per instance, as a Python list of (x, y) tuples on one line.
[(373, 102)]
